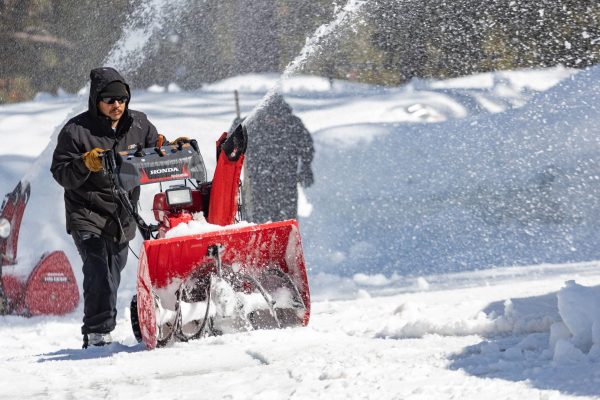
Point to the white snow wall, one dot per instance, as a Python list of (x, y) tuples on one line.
[(520, 187)]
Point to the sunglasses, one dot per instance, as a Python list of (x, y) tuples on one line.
[(112, 100)]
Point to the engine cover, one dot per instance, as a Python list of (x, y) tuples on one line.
[(153, 165)]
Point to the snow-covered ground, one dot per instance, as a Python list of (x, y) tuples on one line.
[(436, 235)]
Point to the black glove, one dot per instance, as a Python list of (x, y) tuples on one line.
[(305, 177)]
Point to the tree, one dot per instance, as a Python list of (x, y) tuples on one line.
[(47, 44)]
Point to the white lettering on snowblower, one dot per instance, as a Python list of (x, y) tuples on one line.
[(164, 170), (55, 277)]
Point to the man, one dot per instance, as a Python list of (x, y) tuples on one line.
[(100, 225), (280, 151)]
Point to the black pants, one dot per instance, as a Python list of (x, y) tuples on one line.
[(103, 261)]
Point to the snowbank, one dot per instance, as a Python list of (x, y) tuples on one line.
[(513, 188), (409, 321), (578, 332)]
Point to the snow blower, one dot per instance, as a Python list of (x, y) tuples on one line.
[(50, 287), (201, 272)]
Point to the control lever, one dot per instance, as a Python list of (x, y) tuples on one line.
[(138, 150)]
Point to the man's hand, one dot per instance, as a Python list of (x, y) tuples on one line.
[(181, 139), (92, 159), (161, 141), (305, 177)]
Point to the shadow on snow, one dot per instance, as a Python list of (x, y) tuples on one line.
[(90, 352)]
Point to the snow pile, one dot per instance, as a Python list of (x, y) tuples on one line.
[(563, 327), (411, 321), (578, 333)]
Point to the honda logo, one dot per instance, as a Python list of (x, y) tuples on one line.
[(163, 171)]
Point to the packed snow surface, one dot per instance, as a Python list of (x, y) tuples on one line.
[(450, 237)]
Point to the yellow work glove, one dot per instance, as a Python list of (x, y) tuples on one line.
[(92, 159), (182, 139)]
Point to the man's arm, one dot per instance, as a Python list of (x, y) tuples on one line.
[(306, 152), (151, 136), (306, 149), (68, 168)]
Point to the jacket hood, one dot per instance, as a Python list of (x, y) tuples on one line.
[(276, 105), (100, 77)]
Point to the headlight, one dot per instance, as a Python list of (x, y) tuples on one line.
[(4, 228), (179, 196)]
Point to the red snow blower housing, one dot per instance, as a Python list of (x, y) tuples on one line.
[(50, 287), (222, 277)]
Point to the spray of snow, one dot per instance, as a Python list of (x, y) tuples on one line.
[(229, 309), (343, 16), (145, 21)]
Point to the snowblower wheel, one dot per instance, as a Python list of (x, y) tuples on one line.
[(135, 321)]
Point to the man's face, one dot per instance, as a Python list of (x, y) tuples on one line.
[(113, 111)]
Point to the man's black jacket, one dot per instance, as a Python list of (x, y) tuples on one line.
[(89, 201)]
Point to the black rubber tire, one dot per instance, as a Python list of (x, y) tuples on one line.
[(135, 321)]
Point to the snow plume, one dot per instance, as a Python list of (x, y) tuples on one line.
[(512, 188), (342, 17), (145, 21)]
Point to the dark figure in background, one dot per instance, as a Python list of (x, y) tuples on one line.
[(280, 151), (100, 226)]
